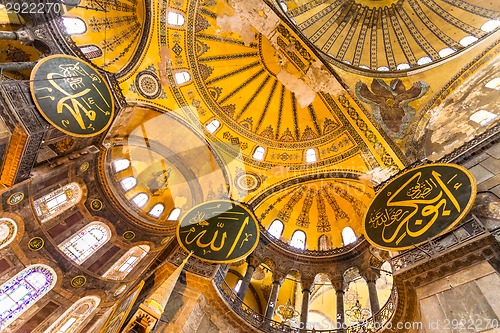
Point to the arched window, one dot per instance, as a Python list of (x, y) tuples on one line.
[(402, 67), (276, 228), (140, 199), (324, 243), (490, 25), (383, 69), (259, 153), (128, 183), (483, 117), (174, 214), (298, 240), (73, 318), (156, 210), (182, 77), (348, 236), (311, 155), (23, 290), (121, 164), (58, 201), (466, 41), (86, 241), (213, 126), (175, 19), (238, 285), (493, 84), (446, 52), (8, 231), (423, 61), (74, 25), (126, 263)]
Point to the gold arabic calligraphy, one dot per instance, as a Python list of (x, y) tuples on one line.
[(200, 230), (399, 218), (76, 103)]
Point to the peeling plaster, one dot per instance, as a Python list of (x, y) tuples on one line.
[(246, 16)]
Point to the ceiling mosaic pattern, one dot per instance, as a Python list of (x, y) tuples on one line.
[(391, 35)]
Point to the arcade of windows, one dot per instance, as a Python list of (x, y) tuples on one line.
[(298, 239), (141, 198)]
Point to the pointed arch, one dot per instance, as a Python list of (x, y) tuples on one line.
[(73, 318), (86, 241), (58, 201), (126, 263), (23, 290)]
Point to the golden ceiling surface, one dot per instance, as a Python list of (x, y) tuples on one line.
[(283, 133), (389, 35)]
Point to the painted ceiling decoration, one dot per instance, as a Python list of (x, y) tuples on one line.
[(391, 35), (113, 33)]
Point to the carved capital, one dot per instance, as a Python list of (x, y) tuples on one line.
[(307, 284), (253, 261), (25, 36)]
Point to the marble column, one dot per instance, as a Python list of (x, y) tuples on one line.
[(253, 263), (307, 286), (273, 298), (339, 286), (373, 295)]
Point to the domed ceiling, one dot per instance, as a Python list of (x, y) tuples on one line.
[(392, 35), (294, 141)]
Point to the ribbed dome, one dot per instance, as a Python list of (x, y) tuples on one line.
[(390, 35)]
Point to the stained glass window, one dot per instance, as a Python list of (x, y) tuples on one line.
[(126, 263), (348, 236), (8, 231), (121, 164), (276, 228), (86, 241), (73, 318), (23, 290), (298, 240), (58, 201)]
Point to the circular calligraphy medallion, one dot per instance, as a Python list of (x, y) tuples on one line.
[(78, 281), (148, 84), (36, 243), (247, 181), (419, 205), (128, 235), (96, 205), (72, 96), (15, 198), (219, 231), (84, 167)]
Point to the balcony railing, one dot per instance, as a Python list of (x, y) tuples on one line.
[(467, 230), (260, 322)]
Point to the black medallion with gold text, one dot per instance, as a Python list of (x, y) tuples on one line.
[(419, 205), (219, 231), (72, 96)]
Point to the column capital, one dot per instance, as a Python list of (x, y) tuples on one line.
[(278, 277), (370, 275), (307, 284), (253, 261), (338, 283)]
